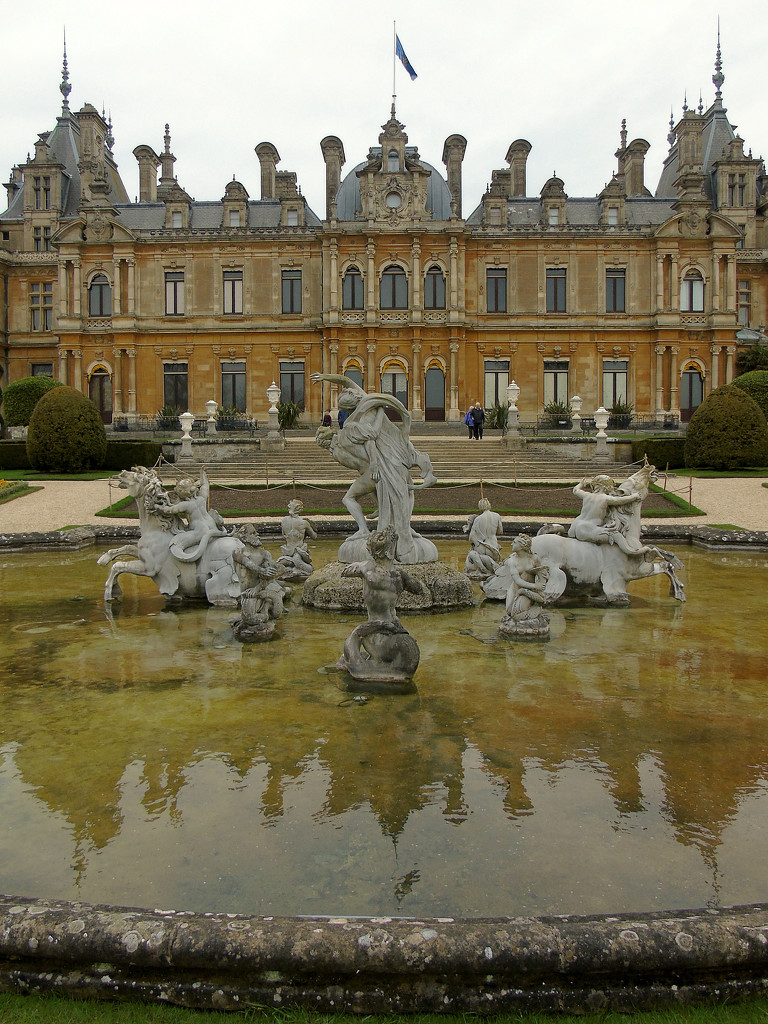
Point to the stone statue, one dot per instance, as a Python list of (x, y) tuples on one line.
[(381, 650), (261, 593), (295, 562), (192, 559), (526, 593), (484, 554), (380, 451), (603, 551)]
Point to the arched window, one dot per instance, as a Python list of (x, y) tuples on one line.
[(353, 371), (352, 290), (393, 160), (434, 289), (394, 289), (99, 296), (691, 391), (692, 293)]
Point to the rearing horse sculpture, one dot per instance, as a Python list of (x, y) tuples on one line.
[(185, 562)]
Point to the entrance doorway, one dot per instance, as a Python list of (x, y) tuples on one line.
[(691, 393), (434, 394), (100, 393)]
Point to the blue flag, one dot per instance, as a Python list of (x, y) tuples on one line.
[(400, 52)]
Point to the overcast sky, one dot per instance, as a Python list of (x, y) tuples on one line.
[(561, 75)]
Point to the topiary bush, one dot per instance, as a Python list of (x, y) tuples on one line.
[(21, 396), (661, 451), (127, 454), (66, 434), (755, 383), (727, 431)]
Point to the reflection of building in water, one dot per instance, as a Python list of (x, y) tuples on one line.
[(634, 295)]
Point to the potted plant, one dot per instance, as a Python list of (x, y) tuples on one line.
[(288, 414), (620, 415), (168, 418), (559, 415), (497, 417), (226, 417)]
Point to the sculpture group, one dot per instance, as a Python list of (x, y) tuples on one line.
[(187, 550)]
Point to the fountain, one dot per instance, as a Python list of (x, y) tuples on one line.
[(506, 829)]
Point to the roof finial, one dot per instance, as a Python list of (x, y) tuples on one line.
[(65, 88), (167, 138), (109, 138), (623, 133), (718, 78), (701, 104), (671, 135), (685, 102)]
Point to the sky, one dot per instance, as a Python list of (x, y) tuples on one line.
[(561, 75)]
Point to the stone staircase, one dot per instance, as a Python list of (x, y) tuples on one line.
[(454, 458)]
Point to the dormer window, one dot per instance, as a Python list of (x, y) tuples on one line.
[(612, 216), (292, 218), (176, 219), (554, 216), (736, 187), (234, 218), (42, 191), (393, 161)]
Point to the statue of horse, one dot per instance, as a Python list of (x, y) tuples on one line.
[(208, 573), (599, 568)]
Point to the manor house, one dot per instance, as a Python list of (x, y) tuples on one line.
[(638, 295)]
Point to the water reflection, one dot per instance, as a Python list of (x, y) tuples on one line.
[(152, 760)]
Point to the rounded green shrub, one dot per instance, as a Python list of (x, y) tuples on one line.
[(727, 431), (755, 383), (66, 434), (21, 396)]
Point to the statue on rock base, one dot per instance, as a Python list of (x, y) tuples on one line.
[(381, 652), (261, 593), (295, 562), (483, 529), (526, 595)]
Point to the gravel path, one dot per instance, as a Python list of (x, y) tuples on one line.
[(738, 501)]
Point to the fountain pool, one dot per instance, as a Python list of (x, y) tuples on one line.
[(151, 760)]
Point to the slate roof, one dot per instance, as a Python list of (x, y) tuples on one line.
[(716, 134), (348, 203)]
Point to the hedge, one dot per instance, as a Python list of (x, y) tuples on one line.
[(661, 451), (120, 454), (13, 455)]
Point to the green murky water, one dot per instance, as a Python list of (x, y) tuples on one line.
[(153, 761)]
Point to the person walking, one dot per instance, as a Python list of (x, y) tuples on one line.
[(469, 423), (478, 419)]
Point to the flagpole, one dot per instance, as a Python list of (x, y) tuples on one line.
[(394, 60)]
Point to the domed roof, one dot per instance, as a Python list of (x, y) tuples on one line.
[(349, 205)]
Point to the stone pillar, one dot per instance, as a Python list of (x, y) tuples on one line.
[(417, 413), (453, 275), (117, 290), (333, 358), (63, 367), (78, 381), (659, 283), (63, 287), (453, 415), (660, 349), (730, 278), (371, 367), (117, 379), (674, 383), (132, 381), (370, 302), (715, 373), (76, 287), (416, 302), (131, 283), (334, 260), (716, 284), (674, 285), (730, 352)]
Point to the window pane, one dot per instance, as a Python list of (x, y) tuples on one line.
[(292, 382), (291, 291), (352, 290), (394, 289), (614, 291), (175, 385), (556, 381), (496, 380), (174, 293), (100, 297), (434, 289), (233, 291), (496, 290), (556, 291)]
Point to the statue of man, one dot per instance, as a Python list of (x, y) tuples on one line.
[(595, 524), (484, 555), (380, 451), (295, 529)]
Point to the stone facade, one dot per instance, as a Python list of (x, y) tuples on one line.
[(627, 296)]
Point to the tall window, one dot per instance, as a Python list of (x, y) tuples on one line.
[(614, 381), (553, 216), (233, 291), (233, 385), (175, 377), (234, 218), (176, 219), (394, 381), (42, 239), (556, 291), (99, 296), (394, 289), (434, 289), (292, 382), (496, 289), (736, 187), (393, 161), (352, 290), (496, 374), (42, 192), (615, 291), (555, 381), (41, 305), (291, 291), (744, 291), (692, 293), (174, 292), (354, 373)]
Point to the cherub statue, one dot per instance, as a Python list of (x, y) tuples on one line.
[(526, 594), (484, 555), (261, 593), (202, 525), (295, 561)]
